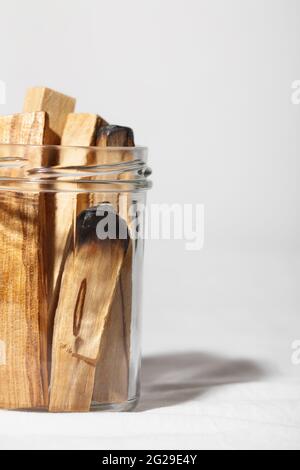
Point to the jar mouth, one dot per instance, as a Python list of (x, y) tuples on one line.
[(75, 147), (69, 168)]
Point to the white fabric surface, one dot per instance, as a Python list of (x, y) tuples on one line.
[(218, 376)]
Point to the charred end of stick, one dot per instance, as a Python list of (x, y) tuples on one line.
[(115, 136), (101, 224)]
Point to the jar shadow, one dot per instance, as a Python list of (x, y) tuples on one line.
[(171, 379)]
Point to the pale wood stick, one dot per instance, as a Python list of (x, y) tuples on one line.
[(89, 279), (80, 130), (56, 104), (23, 279), (113, 136), (30, 127), (112, 371), (105, 328)]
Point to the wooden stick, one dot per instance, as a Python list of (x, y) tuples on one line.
[(80, 130), (57, 105), (23, 279), (30, 127), (112, 372), (80, 356), (89, 279), (115, 136)]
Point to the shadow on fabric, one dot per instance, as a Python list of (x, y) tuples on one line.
[(170, 379)]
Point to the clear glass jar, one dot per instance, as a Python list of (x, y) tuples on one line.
[(71, 253)]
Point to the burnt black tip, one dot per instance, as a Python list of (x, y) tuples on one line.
[(101, 223), (118, 136)]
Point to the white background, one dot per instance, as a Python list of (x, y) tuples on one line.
[(206, 84)]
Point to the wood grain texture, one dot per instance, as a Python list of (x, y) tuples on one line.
[(57, 105), (23, 293), (114, 136), (23, 280), (23, 128), (89, 278), (105, 330), (112, 372), (80, 130), (30, 127)]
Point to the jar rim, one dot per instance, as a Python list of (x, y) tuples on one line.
[(136, 148), (124, 168)]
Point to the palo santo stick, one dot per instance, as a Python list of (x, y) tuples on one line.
[(80, 357), (80, 130), (24, 280), (57, 105), (89, 279), (113, 136), (110, 253), (30, 127), (107, 136), (112, 372)]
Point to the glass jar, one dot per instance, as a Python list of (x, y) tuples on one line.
[(71, 252)]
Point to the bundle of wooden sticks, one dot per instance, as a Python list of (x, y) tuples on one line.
[(65, 294)]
